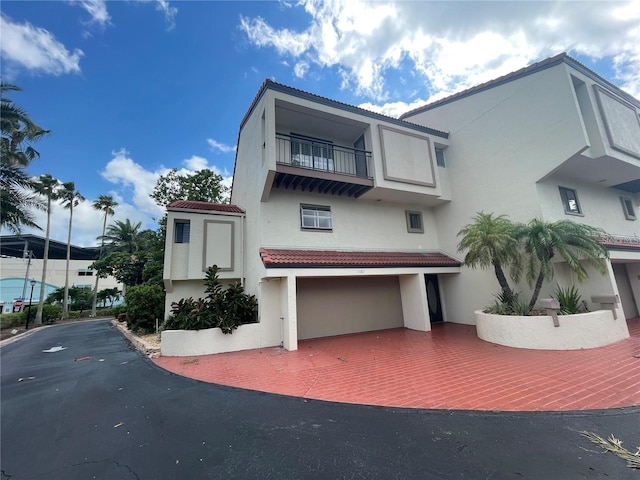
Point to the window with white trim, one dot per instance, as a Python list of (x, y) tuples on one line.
[(414, 222), (570, 201), (627, 207), (315, 217), (182, 231)]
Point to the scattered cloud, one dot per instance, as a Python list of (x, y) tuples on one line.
[(129, 175), (25, 46), (196, 163), (168, 11), (97, 9), (220, 147), (449, 45)]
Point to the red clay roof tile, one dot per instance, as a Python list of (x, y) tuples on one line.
[(208, 206), (281, 258)]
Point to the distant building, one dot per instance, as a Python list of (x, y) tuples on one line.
[(343, 220), (22, 260)]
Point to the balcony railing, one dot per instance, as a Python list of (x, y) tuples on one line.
[(322, 156)]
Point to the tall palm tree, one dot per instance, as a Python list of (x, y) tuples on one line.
[(574, 242), (123, 236), (17, 129), (16, 198), (105, 204), (490, 242), (70, 198), (46, 186)]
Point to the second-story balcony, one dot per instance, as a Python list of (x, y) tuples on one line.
[(319, 166)]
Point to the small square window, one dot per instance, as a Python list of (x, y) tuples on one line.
[(313, 217), (627, 207), (183, 232), (440, 157), (414, 222), (570, 201)]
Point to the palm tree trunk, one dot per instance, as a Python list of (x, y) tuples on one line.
[(536, 290), (65, 300), (45, 257), (502, 280), (95, 288)]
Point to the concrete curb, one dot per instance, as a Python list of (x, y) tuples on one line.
[(149, 350), (10, 340)]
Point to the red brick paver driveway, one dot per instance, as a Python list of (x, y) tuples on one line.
[(447, 368)]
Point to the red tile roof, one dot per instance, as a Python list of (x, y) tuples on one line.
[(280, 258), (208, 206), (613, 242)]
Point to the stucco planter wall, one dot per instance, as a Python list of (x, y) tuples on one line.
[(184, 343), (584, 330)]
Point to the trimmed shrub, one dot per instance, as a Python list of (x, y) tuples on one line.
[(9, 320), (145, 304), (226, 309)]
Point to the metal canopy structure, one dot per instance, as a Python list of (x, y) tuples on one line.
[(17, 245)]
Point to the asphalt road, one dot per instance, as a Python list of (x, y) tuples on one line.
[(100, 409)]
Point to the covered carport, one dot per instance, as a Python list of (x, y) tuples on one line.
[(326, 293)]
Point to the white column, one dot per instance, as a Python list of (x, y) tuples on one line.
[(415, 309), (289, 309)]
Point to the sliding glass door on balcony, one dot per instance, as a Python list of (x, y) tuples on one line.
[(322, 155)]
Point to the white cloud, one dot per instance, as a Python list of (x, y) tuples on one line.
[(33, 48), (97, 9), (123, 171), (220, 147), (300, 69), (169, 13), (451, 45)]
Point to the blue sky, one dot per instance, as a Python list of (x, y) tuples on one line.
[(132, 88)]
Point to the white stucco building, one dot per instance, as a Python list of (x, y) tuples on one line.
[(343, 220)]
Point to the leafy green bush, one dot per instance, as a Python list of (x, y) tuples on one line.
[(226, 309), (9, 320), (503, 306), (50, 313), (570, 300), (145, 304)]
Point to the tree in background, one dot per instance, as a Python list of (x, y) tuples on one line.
[(70, 198), (203, 185), (18, 130), (46, 186), (108, 295), (122, 237), (106, 205)]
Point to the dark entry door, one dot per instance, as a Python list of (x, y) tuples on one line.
[(433, 298)]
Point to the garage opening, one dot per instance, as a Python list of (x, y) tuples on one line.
[(341, 305)]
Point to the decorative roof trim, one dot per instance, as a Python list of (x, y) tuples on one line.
[(192, 205), (297, 258), (279, 87)]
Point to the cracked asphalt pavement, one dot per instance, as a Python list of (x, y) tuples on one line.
[(78, 402)]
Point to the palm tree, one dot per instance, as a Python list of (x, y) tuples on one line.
[(70, 198), (16, 199), (17, 128), (105, 204), (122, 236), (46, 186), (574, 242), (490, 242)]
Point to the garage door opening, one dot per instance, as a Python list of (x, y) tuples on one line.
[(342, 305)]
